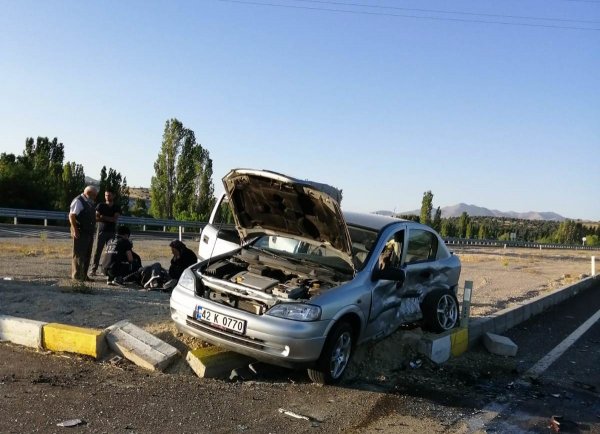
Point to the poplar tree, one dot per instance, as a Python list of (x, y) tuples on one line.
[(182, 186), (426, 208), (437, 220), (463, 221)]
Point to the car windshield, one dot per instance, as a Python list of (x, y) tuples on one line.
[(301, 251), (363, 240)]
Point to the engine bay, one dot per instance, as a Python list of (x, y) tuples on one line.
[(255, 281)]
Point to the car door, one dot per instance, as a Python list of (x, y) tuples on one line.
[(219, 235), (386, 295), (420, 265)]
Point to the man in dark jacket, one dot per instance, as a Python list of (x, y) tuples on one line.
[(182, 258), (82, 218), (107, 216), (118, 258)]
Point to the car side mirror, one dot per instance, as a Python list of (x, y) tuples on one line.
[(389, 273)]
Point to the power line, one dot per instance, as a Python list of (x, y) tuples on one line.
[(450, 12), (422, 17)]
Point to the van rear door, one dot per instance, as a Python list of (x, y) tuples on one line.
[(219, 235)]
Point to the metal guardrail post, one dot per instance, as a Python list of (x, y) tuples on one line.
[(180, 233), (593, 265), (15, 220)]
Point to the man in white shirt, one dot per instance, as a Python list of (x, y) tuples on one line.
[(82, 217)]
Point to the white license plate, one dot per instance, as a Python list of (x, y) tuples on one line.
[(219, 320)]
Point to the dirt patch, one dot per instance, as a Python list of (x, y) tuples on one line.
[(39, 288)]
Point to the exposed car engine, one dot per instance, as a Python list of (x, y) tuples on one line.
[(253, 281)]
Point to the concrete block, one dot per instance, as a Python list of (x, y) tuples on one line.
[(72, 339), (215, 362), (139, 346), (459, 341), (500, 345), (21, 331), (436, 347)]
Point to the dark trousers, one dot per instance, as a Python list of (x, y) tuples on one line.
[(82, 253), (101, 240)]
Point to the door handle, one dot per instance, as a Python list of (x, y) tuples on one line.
[(205, 239)]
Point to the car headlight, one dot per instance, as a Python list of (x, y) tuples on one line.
[(296, 311), (187, 280)]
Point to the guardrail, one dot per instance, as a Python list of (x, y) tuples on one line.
[(525, 244), (60, 216), (146, 222)]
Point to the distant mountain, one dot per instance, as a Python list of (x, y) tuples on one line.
[(91, 181), (478, 211), (386, 213)]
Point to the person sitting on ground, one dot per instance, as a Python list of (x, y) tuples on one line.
[(118, 260), (182, 258), (151, 277)]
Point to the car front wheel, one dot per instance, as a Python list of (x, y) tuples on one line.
[(335, 355), (440, 311)]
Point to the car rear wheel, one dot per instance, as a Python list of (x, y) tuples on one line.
[(440, 311), (335, 355)]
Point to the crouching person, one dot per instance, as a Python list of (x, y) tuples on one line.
[(182, 258), (118, 260)]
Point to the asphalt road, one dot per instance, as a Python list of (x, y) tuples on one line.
[(475, 392)]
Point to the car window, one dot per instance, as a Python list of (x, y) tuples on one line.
[(301, 251), (363, 241), (422, 246), (392, 252)]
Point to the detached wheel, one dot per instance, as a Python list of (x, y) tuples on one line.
[(440, 311), (335, 355)]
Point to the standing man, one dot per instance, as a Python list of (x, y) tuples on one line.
[(83, 222), (107, 214)]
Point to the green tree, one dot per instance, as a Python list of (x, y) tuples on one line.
[(73, 180), (482, 235), (102, 185), (426, 208), (462, 224), (206, 198), (182, 185), (469, 230), (139, 209), (437, 220), (44, 160)]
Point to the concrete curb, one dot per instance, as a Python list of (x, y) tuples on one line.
[(510, 317), (21, 331), (127, 340), (73, 339)]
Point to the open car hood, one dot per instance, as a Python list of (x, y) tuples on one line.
[(269, 203)]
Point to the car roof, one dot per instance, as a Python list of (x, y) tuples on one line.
[(373, 221)]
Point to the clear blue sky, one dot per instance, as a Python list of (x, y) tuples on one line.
[(377, 103)]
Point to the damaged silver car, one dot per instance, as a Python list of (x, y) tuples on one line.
[(310, 283)]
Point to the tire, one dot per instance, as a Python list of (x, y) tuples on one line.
[(335, 356), (440, 311)]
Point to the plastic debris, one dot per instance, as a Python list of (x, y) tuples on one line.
[(292, 414), (8, 278), (71, 423)]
